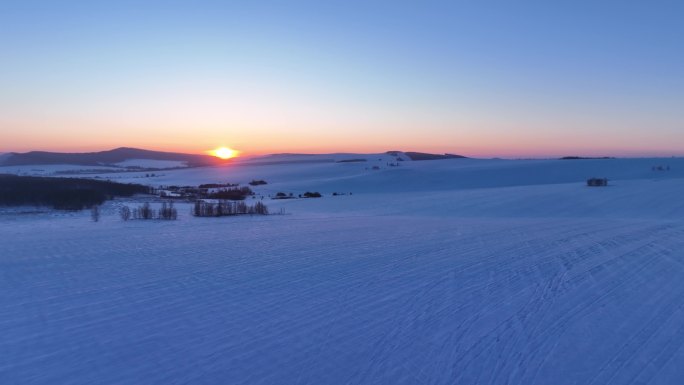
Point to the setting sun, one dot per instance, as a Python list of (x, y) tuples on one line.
[(224, 153)]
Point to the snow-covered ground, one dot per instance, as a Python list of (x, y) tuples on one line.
[(54, 169), (76, 169), (436, 272), (151, 163)]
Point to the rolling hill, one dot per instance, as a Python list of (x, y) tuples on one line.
[(105, 158)]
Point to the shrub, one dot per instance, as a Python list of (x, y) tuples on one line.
[(125, 213), (258, 182), (309, 194)]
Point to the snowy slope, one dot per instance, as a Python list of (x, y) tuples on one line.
[(437, 272), (89, 171), (439, 175), (151, 163), (54, 169)]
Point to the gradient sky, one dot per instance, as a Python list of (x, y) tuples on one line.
[(479, 78)]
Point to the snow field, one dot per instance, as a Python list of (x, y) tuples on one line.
[(535, 283)]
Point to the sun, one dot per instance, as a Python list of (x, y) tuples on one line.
[(224, 153)]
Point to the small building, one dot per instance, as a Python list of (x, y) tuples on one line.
[(169, 194), (597, 182)]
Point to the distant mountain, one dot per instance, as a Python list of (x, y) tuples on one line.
[(427, 156), (347, 157), (103, 158), (585, 157)]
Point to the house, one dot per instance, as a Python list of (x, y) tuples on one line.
[(597, 182)]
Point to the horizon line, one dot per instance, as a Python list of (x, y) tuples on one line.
[(247, 155)]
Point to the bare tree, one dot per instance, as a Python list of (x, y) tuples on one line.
[(95, 213), (226, 208), (125, 213), (167, 212), (143, 212)]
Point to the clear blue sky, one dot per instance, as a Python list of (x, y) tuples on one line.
[(488, 78)]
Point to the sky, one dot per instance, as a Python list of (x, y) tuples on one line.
[(478, 78)]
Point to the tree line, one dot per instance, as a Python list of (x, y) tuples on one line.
[(145, 211), (226, 208), (62, 193)]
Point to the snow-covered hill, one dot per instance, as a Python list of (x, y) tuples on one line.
[(121, 157)]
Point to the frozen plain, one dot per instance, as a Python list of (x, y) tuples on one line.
[(435, 272)]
